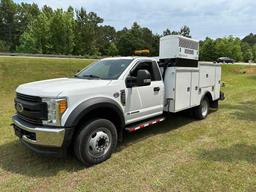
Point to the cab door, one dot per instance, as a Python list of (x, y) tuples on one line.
[(145, 101)]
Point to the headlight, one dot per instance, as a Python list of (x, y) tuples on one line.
[(56, 108)]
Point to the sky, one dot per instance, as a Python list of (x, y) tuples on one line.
[(206, 18)]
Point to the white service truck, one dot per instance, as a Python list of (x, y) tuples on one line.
[(91, 111)]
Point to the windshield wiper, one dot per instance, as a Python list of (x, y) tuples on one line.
[(92, 76)]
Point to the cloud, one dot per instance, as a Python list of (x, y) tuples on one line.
[(213, 18)]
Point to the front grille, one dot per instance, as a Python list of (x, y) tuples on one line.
[(33, 111), (28, 98)]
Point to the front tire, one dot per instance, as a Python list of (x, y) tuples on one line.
[(96, 142), (201, 112)]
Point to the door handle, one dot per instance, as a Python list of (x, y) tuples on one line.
[(156, 89)]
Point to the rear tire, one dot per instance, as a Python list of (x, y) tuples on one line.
[(201, 112), (95, 142)]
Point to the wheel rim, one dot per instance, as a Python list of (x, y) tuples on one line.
[(204, 108), (99, 142)]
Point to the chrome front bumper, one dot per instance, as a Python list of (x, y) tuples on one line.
[(49, 137)]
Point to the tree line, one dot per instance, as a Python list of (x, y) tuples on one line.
[(26, 28), (235, 48)]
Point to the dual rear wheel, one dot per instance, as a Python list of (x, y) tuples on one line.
[(202, 111)]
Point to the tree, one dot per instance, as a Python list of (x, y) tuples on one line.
[(137, 38), (3, 46), (14, 19), (36, 38), (250, 39), (7, 22), (105, 36), (26, 28), (24, 15), (61, 32), (86, 32), (208, 51), (125, 42), (229, 47), (167, 32), (247, 52), (254, 53), (112, 50), (185, 31)]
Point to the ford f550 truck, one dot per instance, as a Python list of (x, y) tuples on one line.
[(91, 111)]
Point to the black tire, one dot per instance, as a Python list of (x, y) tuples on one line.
[(215, 105), (95, 142), (201, 112)]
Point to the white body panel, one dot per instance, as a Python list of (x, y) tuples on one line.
[(182, 92), (175, 46), (217, 81), (195, 96), (185, 87), (143, 102)]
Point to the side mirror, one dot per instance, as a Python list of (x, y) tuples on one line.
[(143, 78), (130, 81)]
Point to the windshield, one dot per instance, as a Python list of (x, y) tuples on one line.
[(105, 69)]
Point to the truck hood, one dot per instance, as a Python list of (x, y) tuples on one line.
[(54, 87)]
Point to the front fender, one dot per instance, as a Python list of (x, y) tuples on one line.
[(91, 104)]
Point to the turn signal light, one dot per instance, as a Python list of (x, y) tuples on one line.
[(63, 105)]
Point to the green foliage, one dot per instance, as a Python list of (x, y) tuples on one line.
[(26, 28), (61, 32), (211, 50), (247, 52), (137, 38), (86, 32), (250, 39), (184, 31), (112, 50), (254, 53), (14, 19), (208, 51), (3, 46), (7, 22), (50, 32), (106, 35), (240, 50), (36, 39)]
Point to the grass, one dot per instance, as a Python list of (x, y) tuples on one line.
[(181, 154)]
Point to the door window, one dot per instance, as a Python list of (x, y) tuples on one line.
[(151, 67)]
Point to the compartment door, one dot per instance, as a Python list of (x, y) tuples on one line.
[(207, 76), (195, 99), (217, 82), (182, 90)]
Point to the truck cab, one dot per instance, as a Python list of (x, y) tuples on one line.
[(90, 111)]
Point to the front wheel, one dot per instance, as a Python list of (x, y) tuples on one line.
[(202, 110), (96, 141)]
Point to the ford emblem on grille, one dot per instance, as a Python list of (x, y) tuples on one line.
[(19, 107)]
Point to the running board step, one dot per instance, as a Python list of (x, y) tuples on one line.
[(142, 125)]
